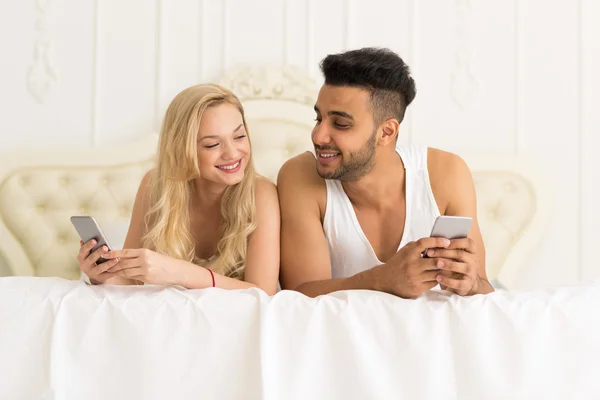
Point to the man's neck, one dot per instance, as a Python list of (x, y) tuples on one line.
[(382, 186)]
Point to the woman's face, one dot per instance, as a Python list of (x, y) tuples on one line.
[(223, 145)]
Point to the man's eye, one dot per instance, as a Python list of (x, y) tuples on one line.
[(342, 126)]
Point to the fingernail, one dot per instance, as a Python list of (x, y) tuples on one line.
[(438, 278), (446, 242), (430, 253), (104, 248), (93, 241), (440, 264), (103, 255)]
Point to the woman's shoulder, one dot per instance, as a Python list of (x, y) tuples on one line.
[(265, 192)]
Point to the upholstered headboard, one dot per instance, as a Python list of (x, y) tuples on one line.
[(40, 191)]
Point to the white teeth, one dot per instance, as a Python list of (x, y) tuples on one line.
[(228, 167), (328, 155)]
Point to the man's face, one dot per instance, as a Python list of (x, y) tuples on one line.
[(344, 134)]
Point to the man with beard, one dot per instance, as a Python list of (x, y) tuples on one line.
[(357, 214)]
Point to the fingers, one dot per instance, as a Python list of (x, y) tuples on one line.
[(454, 254), (93, 258), (105, 267), (126, 253), (103, 277), (430, 276), (431, 242), (433, 264), (98, 273), (466, 244), (84, 250), (126, 263), (455, 267), (460, 286), (132, 273)]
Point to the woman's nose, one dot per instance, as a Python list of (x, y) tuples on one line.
[(229, 151)]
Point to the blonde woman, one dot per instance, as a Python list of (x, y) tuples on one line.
[(202, 217)]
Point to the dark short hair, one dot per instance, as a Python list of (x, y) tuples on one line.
[(379, 70)]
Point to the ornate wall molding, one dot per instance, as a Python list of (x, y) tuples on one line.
[(287, 83), (41, 76), (464, 85)]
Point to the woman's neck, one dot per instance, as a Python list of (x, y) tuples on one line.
[(208, 194)]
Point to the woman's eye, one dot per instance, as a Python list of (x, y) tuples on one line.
[(241, 137), (210, 146)]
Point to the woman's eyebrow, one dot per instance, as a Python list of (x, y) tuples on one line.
[(216, 137)]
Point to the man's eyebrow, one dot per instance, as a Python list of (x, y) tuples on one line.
[(338, 113), (341, 114), (216, 137)]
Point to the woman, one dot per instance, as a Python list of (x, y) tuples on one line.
[(202, 217)]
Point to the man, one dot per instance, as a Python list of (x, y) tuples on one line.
[(357, 213)]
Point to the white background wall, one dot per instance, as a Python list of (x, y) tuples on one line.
[(516, 76)]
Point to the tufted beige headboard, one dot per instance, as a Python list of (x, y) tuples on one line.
[(39, 192)]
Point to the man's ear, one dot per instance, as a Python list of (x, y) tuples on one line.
[(389, 131)]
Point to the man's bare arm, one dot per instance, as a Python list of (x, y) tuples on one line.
[(305, 264), (454, 179)]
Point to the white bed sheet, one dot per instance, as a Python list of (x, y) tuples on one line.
[(64, 339)]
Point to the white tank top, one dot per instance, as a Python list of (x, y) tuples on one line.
[(349, 249)]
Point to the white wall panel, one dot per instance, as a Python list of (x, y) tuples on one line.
[(180, 49), (465, 68), (295, 33), (548, 127), (507, 76), (45, 74), (589, 163), (255, 32), (125, 105), (328, 25)]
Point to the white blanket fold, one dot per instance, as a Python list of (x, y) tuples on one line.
[(67, 340)]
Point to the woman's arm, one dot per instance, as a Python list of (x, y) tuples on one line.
[(136, 227), (262, 257)]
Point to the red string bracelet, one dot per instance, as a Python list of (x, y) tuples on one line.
[(212, 276)]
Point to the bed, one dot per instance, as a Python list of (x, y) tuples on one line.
[(39, 191), (61, 338)]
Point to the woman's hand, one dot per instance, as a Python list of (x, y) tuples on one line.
[(147, 266), (88, 262)]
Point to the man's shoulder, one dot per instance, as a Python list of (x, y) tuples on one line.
[(444, 164), (449, 176)]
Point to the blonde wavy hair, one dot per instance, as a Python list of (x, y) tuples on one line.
[(172, 186)]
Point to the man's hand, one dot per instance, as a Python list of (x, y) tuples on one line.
[(407, 274), (460, 262)]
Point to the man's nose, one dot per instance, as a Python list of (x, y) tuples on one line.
[(320, 135)]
